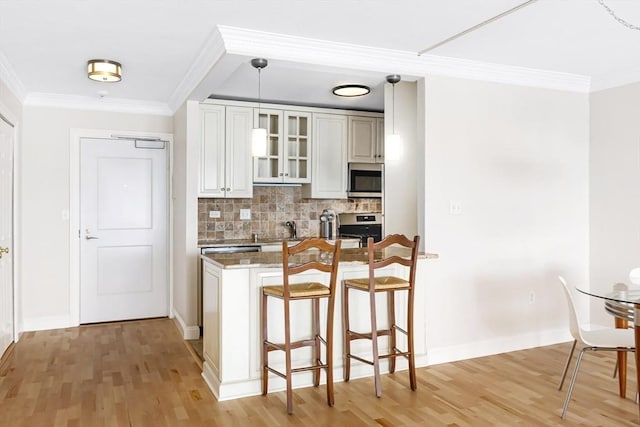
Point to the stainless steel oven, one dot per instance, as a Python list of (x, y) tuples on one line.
[(361, 226), (365, 180)]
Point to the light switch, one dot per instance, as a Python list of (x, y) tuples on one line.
[(245, 213), (214, 214), (455, 207)]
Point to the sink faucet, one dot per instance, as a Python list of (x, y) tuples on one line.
[(292, 226)]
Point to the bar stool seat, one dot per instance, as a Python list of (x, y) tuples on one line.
[(383, 254), (380, 283), (310, 254)]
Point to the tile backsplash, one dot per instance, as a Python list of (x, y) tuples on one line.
[(270, 208)]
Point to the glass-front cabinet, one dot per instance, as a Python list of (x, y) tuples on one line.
[(288, 147)]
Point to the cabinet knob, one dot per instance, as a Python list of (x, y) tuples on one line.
[(286, 174), (228, 189)]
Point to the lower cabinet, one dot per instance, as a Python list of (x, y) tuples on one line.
[(232, 305)]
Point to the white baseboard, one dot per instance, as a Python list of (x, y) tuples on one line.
[(483, 348), (46, 323), (188, 332)]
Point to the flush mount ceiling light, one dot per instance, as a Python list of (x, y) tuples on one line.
[(104, 70), (351, 90)]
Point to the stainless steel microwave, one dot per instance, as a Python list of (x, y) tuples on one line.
[(365, 180)]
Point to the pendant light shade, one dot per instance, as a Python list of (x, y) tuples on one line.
[(104, 70), (259, 135), (259, 142)]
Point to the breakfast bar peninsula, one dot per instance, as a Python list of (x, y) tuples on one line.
[(231, 318)]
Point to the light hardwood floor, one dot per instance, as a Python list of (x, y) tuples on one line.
[(141, 374)]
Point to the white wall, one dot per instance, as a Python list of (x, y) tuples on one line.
[(44, 195), (516, 161), (615, 189), (185, 224)]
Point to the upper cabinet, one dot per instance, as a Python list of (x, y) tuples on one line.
[(366, 139), (225, 151), (288, 158), (329, 171)]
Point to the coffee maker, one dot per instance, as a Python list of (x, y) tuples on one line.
[(326, 223)]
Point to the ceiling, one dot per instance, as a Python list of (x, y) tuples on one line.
[(172, 50)]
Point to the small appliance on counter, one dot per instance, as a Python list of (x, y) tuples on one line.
[(361, 226), (326, 223)]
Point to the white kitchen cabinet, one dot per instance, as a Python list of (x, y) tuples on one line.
[(329, 157), (288, 158), (366, 140), (225, 152)]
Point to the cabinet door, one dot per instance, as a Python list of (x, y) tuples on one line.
[(362, 139), (380, 140), (269, 168), (329, 172), (238, 173), (212, 155), (296, 149)]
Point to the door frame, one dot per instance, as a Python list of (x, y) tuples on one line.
[(12, 120), (76, 135)]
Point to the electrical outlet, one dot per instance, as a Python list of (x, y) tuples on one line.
[(532, 297), (214, 214), (245, 213)]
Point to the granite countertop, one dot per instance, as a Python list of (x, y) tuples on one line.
[(251, 242), (274, 259)]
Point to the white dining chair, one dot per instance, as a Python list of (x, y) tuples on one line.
[(609, 339)]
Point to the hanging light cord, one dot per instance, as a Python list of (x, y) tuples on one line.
[(617, 18), (393, 102)]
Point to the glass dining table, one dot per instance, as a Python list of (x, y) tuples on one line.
[(623, 302)]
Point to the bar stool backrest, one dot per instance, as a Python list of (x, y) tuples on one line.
[(308, 253), (386, 252)]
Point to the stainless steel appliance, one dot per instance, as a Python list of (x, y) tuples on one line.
[(229, 249), (361, 226), (365, 180), (326, 223)]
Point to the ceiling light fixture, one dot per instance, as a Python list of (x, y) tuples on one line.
[(259, 135), (351, 90), (104, 70), (394, 142)]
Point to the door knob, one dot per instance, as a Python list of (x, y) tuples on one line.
[(88, 235), (3, 251)]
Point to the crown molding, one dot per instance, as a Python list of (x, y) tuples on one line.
[(114, 105), (10, 78), (212, 50), (321, 52)]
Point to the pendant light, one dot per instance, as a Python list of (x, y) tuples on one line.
[(259, 135), (394, 142)]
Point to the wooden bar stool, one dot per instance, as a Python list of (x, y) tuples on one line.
[(394, 249), (310, 254)]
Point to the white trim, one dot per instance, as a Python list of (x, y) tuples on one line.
[(74, 212), (117, 105), (10, 78), (46, 323), (470, 350), (211, 52), (187, 332), (283, 47)]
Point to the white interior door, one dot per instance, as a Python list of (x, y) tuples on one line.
[(6, 236), (123, 231)]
